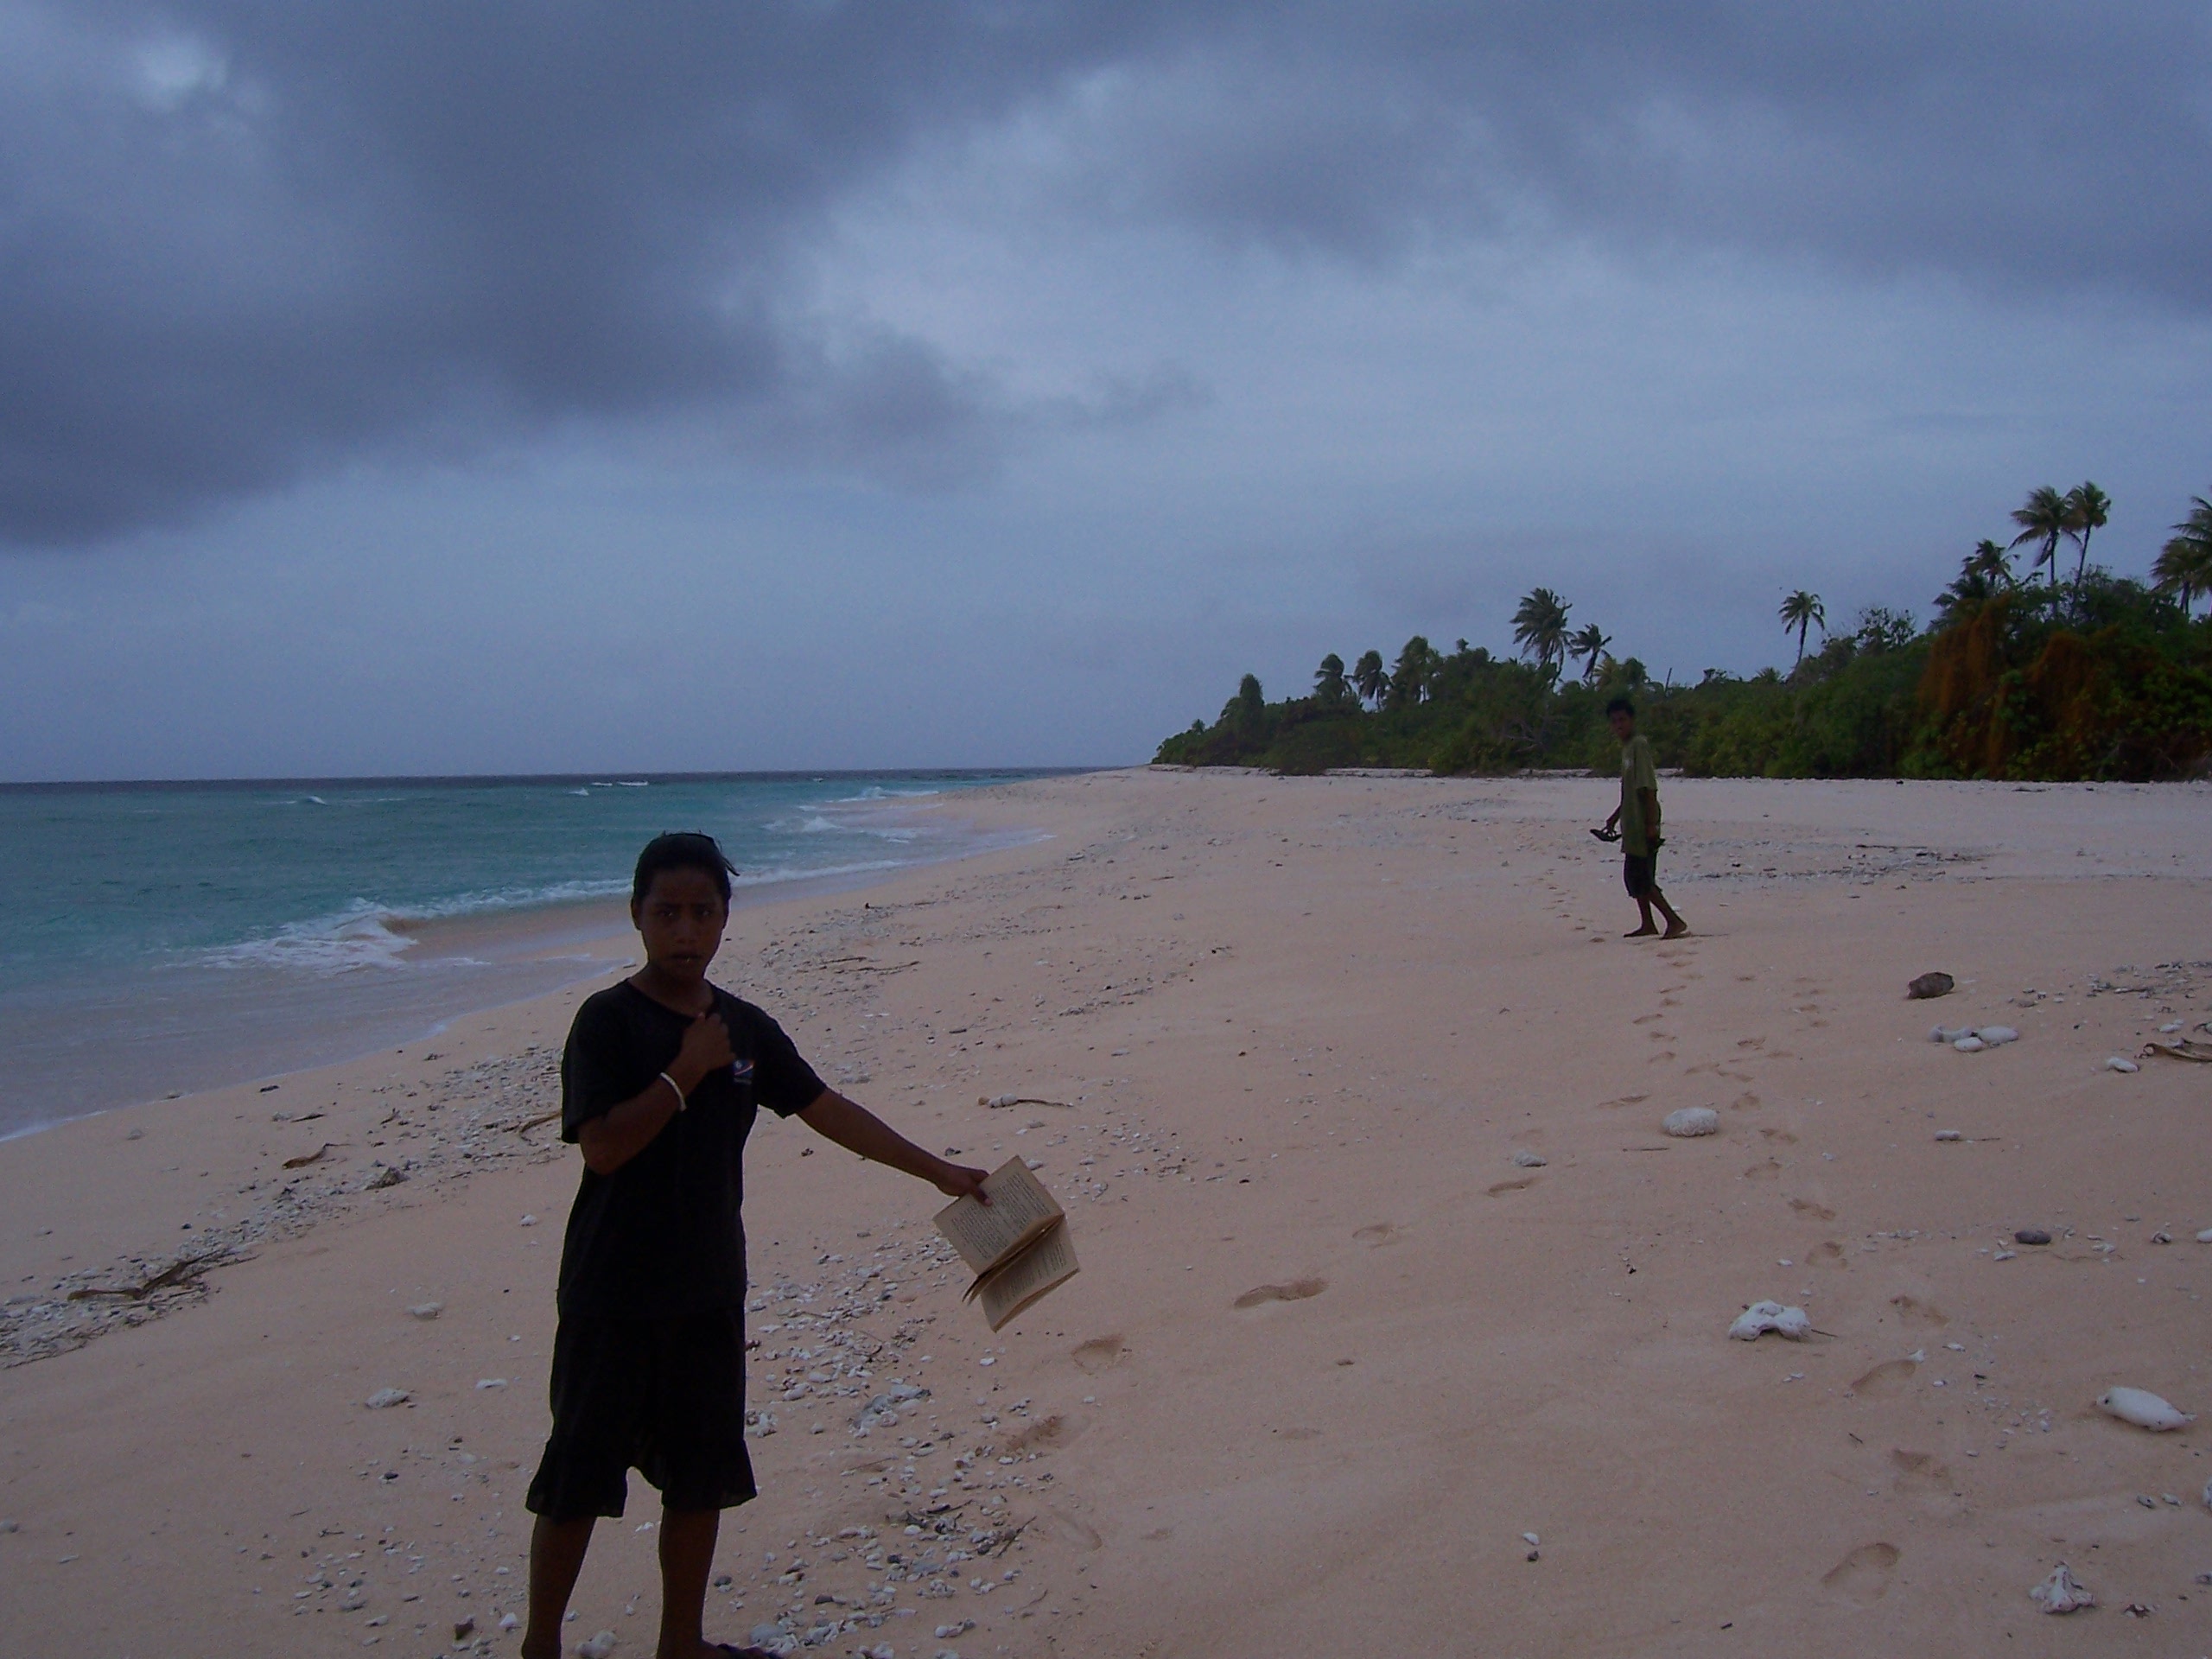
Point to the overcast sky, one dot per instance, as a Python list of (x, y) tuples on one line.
[(418, 387)]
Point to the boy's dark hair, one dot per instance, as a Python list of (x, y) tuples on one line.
[(682, 849), (1621, 706)]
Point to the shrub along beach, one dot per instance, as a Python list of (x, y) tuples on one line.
[(2075, 675)]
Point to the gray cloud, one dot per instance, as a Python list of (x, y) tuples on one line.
[(244, 242)]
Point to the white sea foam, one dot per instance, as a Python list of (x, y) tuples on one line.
[(361, 937), (368, 935), (877, 792)]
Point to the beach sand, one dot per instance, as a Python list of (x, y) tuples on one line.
[(1333, 1351)]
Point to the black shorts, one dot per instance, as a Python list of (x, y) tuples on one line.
[(1640, 874), (665, 1397)]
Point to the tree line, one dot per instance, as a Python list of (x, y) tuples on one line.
[(2088, 675)]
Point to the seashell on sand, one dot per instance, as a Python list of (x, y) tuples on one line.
[(1529, 1160), (1969, 1043), (2144, 1408), (1760, 1318), (1948, 1134), (1948, 1033), (1687, 1120), (2205, 1238), (383, 1399), (2059, 1593), (426, 1310), (604, 1643), (1929, 985), (1996, 1036), (2118, 1063)]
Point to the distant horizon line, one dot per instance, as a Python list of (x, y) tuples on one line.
[(612, 778)]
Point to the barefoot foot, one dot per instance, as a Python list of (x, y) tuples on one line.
[(1644, 933)]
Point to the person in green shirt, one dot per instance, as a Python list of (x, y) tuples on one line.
[(1637, 821)]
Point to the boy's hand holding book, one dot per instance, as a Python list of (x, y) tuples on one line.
[(1014, 1237), (958, 1181)]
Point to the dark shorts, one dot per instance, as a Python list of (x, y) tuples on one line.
[(1640, 874), (665, 1397)]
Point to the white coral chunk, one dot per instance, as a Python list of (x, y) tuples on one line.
[(2143, 1408), (1762, 1316), (2059, 1593)]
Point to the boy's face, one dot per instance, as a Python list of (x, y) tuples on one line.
[(1623, 724), (681, 919)]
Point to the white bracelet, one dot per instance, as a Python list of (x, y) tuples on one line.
[(680, 1102)]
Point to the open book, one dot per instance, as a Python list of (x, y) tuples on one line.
[(1018, 1244)]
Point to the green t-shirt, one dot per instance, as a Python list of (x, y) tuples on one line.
[(1637, 772)]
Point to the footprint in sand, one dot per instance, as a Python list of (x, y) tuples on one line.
[(1501, 1188), (1381, 1232), (1296, 1291), (1054, 1431), (1919, 1473), (1782, 1135), (1069, 1530), (1862, 1578), (1746, 1102), (1817, 1211), (1912, 1311), (1829, 1254), (1765, 1172), (1625, 1100), (1889, 1377), (1099, 1354)]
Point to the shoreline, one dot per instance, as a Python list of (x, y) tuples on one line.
[(511, 953), (1336, 1341)]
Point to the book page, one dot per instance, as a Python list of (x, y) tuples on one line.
[(1019, 1209), (1048, 1262)]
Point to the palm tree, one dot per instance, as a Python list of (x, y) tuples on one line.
[(1589, 644), (2046, 520), (2185, 565), (2091, 507), (1329, 687), (1409, 679), (1991, 562), (1540, 627), (1803, 611), (1368, 677), (1967, 593)]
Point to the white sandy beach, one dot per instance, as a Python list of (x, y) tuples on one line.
[(1302, 1028)]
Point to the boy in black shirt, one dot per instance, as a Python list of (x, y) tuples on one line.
[(662, 1077)]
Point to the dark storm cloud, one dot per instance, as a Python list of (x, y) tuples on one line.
[(240, 242)]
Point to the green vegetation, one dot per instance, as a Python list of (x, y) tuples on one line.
[(2103, 677)]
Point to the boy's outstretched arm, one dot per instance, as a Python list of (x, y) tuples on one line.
[(857, 1130)]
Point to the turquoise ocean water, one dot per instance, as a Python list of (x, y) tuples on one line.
[(162, 938)]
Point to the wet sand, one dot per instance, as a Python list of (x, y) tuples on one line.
[(1333, 1351)]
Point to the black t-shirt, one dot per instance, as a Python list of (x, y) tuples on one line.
[(662, 1235)]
